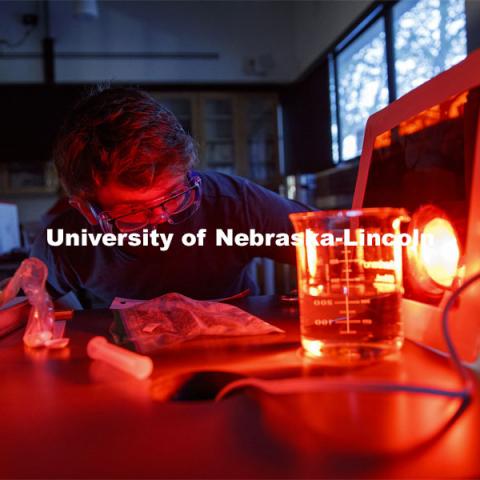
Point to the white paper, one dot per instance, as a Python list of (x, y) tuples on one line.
[(120, 303)]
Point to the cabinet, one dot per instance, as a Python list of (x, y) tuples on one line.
[(218, 137), (236, 133)]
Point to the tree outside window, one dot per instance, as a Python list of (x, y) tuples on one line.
[(362, 86), (429, 37)]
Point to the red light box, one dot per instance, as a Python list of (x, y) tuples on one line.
[(422, 153)]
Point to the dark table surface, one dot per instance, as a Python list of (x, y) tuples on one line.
[(62, 415)]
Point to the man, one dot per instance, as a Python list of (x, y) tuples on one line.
[(126, 165)]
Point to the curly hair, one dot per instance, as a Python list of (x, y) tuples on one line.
[(122, 135)]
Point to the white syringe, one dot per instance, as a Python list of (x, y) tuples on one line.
[(140, 366)]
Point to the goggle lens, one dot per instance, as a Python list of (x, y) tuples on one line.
[(175, 210)]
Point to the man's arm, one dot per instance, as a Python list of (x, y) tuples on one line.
[(57, 284)]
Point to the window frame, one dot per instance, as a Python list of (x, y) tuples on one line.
[(377, 12), (382, 9)]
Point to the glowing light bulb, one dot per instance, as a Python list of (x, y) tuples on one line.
[(440, 258)]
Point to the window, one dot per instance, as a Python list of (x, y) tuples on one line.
[(429, 37), (362, 86), (397, 47)]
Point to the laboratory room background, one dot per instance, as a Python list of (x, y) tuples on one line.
[(239, 239)]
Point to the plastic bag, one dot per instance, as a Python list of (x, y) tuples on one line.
[(174, 318), (31, 277)]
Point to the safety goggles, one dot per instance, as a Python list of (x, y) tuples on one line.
[(174, 208)]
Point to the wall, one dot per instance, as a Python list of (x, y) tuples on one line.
[(317, 24), (234, 30), (306, 107), (291, 34), (11, 29)]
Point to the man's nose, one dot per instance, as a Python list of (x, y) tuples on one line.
[(157, 215)]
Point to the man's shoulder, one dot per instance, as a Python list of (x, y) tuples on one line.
[(220, 184), (217, 184), (69, 219)]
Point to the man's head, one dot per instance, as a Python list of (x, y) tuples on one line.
[(120, 146)]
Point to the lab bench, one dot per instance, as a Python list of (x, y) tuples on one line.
[(65, 416)]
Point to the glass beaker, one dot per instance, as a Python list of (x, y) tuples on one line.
[(350, 283)]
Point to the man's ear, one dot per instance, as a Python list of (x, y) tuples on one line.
[(84, 208)]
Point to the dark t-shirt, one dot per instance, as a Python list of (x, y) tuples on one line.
[(210, 271)]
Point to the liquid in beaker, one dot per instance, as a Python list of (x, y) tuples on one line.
[(349, 295)]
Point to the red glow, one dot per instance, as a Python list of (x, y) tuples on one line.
[(447, 110)]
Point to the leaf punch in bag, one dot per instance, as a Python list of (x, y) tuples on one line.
[(175, 318)]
